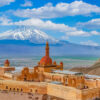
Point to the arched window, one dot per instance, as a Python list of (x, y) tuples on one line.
[(6, 87), (73, 81), (35, 91), (59, 79), (25, 79), (17, 89), (36, 98), (30, 90), (10, 89), (13, 89), (21, 89)]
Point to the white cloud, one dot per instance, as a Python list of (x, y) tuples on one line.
[(5, 2), (48, 25), (27, 4), (90, 43), (4, 20), (64, 38), (60, 10), (92, 24)]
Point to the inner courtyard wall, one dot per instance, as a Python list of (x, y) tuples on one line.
[(19, 86), (65, 92)]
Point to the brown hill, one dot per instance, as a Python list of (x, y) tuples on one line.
[(94, 69)]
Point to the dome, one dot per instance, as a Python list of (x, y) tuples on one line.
[(7, 61), (61, 63), (46, 61)]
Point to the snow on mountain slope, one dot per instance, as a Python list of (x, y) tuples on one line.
[(9, 45), (33, 35)]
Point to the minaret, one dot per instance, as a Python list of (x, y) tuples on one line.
[(47, 49)]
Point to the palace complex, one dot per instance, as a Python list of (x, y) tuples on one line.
[(49, 78)]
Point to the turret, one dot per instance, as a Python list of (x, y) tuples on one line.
[(61, 64), (54, 63), (7, 63)]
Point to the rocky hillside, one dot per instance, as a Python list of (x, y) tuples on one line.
[(94, 69)]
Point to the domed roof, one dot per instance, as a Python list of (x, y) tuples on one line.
[(61, 63), (46, 60), (7, 61)]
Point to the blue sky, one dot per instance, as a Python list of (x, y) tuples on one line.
[(77, 21)]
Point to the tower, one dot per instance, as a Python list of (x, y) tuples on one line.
[(46, 64), (47, 49), (7, 63), (46, 60)]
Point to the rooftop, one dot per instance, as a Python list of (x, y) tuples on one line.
[(55, 82), (66, 72), (91, 76)]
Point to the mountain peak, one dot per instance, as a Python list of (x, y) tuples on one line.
[(31, 34)]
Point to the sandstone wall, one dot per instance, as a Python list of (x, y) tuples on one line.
[(19, 86), (90, 83), (67, 93), (90, 94)]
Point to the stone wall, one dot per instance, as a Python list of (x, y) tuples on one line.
[(67, 93), (90, 83), (56, 90), (90, 94), (19, 86)]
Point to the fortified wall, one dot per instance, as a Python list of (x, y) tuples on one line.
[(27, 87), (57, 90)]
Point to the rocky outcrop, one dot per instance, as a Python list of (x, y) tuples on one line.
[(94, 69)]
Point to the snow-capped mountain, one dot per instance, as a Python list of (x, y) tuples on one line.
[(30, 41), (31, 34)]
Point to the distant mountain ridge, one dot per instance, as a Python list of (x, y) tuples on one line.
[(25, 47), (26, 42), (30, 41)]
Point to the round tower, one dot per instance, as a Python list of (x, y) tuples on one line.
[(54, 63), (61, 63), (7, 63)]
